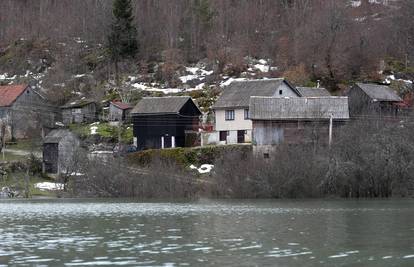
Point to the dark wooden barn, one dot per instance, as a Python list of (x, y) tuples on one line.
[(164, 122), (295, 120), (373, 99)]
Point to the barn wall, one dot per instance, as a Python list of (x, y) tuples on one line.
[(83, 114), (30, 112), (267, 133), (148, 129), (115, 113), (68, 149)]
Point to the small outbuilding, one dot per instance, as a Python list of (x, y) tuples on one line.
[(165, 122), (79, 111), (119, 111), (295, 120), (369, 99), (60, 148)]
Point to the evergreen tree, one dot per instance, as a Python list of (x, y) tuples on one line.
[(122, 39)]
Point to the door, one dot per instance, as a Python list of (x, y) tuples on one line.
[(51, 157), (240, 137), (167, 142)]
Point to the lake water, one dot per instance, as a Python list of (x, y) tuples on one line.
[(206, 233)]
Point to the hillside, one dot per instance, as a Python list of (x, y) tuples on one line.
[(204, 44)]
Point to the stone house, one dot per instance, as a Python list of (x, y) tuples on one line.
[(232, 115), (25, 111), (60, 148), (295, 120), (79, 111)]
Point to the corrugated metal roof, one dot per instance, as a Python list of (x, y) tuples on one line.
[(379, 92), (312, 108), (238, 93), (121, 105), (161, 105), (313, 91), (9, 94), (56, 135)]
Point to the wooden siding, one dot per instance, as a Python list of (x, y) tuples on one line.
[(291, 132), (118, 114), (361, 104), (84, 114), (29, 113), (59, 157), (150, 128)]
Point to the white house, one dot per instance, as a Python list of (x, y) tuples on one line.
[(232, 119)]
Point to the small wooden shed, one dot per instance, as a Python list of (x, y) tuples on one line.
[(79, 111), (373, 99), (119, 111), (60, 149)]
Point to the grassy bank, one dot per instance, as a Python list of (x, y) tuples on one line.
[(187, 156), (16, 181), (103, 130)]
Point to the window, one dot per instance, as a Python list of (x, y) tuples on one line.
[(280, 92), (77, 111), (266, 155), (246, 114), (223, 136), (229, 115)]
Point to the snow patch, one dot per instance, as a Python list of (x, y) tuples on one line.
[(49, 186), (94, 130), (205, 168), (230, 80), (391, 78)]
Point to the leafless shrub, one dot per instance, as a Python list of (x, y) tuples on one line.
[(370, 158), (114, 178)]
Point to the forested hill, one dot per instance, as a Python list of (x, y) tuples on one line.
[(335, 41)]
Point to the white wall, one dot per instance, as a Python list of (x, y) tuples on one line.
[(286, 91), (239, 123)]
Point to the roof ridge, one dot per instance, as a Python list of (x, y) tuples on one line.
[(260, 80), (172, 96)]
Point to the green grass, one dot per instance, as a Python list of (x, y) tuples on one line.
[(104, 130), (11, 157), (17, 180), (186, 156)]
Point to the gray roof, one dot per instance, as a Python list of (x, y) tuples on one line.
[(79, 103), (56, 135), (313, 91), (161, 105), (306, 108), (238, 93), (379, 92)]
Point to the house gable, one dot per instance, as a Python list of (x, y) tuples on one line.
[(237, 94), (10, 93)]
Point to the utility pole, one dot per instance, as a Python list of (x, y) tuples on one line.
[(330, 130), (3, 138)]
